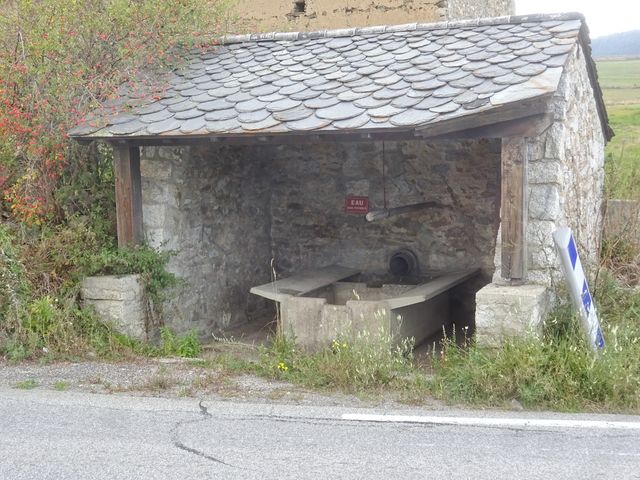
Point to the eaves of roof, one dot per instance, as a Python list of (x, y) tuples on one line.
[(405, 78)]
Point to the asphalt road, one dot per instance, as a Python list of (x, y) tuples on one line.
[(68, 435)]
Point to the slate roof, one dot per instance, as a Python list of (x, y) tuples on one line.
[(376, 78)]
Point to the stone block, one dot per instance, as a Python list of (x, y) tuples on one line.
[(510, 311), (156, 169), (155, 192), (554, 142), (545, 172), (544, 202), (153, 216), (118, 300), (154, 237)]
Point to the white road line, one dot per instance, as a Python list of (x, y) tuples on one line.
[(494, 422)]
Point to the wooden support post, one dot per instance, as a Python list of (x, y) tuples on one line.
[(514, 210), (126, 164)]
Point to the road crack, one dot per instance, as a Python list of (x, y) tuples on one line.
[(205, 415)]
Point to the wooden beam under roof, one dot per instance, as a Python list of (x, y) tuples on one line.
[(491, 120)]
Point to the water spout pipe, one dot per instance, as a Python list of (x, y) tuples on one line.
[(374, 215)]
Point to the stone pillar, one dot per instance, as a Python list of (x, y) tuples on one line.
[(510, 311)]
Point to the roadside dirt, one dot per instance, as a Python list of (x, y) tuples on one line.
[(176, 377)]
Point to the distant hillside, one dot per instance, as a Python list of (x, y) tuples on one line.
[(626, 44)]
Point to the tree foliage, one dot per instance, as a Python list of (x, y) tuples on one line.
[(61, 59)]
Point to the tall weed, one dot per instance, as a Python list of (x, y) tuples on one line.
[(560, 371), (352, 363)]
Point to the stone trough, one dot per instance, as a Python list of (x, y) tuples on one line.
[(319, 305)]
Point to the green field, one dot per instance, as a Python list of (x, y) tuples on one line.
[(620, 82)]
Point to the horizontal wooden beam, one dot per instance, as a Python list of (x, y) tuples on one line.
[(530, 126), (497, 115), (290, 138)]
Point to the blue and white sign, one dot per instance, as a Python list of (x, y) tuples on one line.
[(578, 288)]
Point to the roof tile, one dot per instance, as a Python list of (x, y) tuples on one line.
[(377, 77)]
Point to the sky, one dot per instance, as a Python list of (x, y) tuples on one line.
[(604, 17)]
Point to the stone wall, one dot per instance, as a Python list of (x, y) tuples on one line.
[(228, 211), (309, 227), (565, 178), (306, 15), (287, 15), (210, 205), (458, 9)]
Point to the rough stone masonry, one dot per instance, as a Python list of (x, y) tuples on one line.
[(309, 15), (228, 210)]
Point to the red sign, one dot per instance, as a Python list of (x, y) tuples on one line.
[(353, 204)]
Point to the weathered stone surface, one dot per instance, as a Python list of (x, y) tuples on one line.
[(229, 210), (155, 170), (154, 214), (310, 229), (119, 301), (544, 202), (214, 214), (269, 15), (545, 172), (504, 312)]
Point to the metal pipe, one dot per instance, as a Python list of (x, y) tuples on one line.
[(374, 215)]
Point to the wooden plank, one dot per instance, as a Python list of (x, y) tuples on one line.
[(514, 209), (431, 289), (495, 115), (126, 163), (303, 282), (289, 138), (530, 126)]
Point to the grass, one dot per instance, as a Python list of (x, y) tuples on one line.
[(619, 74), (61, 386), (26, 384), (363, 364), (556, 372), (620, 82), (559, 373)]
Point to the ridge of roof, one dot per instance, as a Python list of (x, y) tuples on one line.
[(380, 29)]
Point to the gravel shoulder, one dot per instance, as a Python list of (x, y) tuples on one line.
[(176, 377)]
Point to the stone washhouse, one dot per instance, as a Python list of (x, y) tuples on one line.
[(467, 142)]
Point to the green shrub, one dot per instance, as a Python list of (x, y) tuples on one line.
[(40, 273), (186, 345), (14, 286), (143, 260)]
